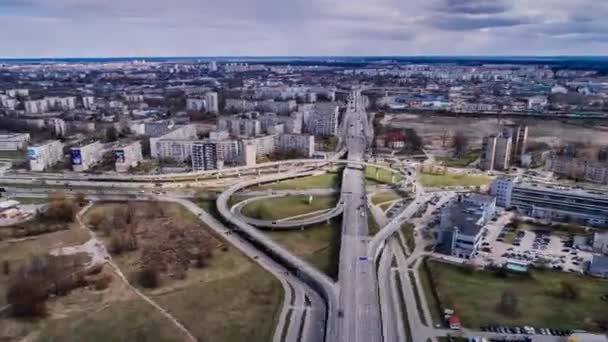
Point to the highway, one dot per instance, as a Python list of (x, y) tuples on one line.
[(359, 307)]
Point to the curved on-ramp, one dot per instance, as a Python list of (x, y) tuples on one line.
[(286, 223)]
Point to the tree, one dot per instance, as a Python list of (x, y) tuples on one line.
[(413, 139), (460, 142), (148, 277), (80, 199), (111, 134), (26, 297), (569, 290), (508, 303)]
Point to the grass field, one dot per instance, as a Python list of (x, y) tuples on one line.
[(327, 180), (131, 320), (283, 207), (385, 197), (451, 179), (12, 155), (381, 176), (475, 297), (385, 206), (318, 244), (463, 161), (231, 299)]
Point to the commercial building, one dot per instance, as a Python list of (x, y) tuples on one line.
[(552, 202), (598, 266), (303, 144), (127, 155), (85, 155), (13, 141), (44, 155), (462, 223)]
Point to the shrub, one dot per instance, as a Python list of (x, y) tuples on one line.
[(27, 297), (148, 277)]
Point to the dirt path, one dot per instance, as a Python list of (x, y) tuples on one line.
[(99, 256)]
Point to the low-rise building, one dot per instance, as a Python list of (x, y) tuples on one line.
[(552, 202), (462, 223), (127, 155), (598, 266), (44, 155)]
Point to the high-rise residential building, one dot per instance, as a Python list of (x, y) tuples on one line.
[(205, 156), (488, 153), (44, 155), (519, 138), (57, 125), (213, 66), (211, 102), (88, 102), (127, 155), (301, 143), (195, 105), (36, 106), (502, 159), (322, 119), (175, 144), (249, 153), (85, 155)]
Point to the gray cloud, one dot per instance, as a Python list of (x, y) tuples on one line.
[(299, 27), (473, 6)]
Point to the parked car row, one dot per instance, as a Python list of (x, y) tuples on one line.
[(525, 330)]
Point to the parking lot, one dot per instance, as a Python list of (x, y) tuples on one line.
[(503, 243)]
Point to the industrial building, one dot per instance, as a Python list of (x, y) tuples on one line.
[(14, 141), (44, 155), (552, 202), (85, 155), (127, 155)]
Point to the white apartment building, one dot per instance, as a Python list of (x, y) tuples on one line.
[(44, 155), (17, 92), (301, 143), (127, 156), (249, 155), (36, 106), (212, 102), (174, 144), (322, 120), (195, 105), (88, 102), (14, 141), (85, 155)]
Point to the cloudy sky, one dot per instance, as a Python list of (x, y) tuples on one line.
[(79, 28)]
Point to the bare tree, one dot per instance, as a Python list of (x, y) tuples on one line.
[(460, 142)]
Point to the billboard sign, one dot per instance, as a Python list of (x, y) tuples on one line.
[(120, 156), (76, 157), (31, 153)]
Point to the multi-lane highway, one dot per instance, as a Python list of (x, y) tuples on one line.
[(359, 309)]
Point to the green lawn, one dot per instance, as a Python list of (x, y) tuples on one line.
[(12, 155), (462, 161), (385, 197), (318, 244), (476, 295), (283, 207), (381, 176), (451, 179), (327, 180)]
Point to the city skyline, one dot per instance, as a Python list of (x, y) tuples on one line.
[(69, 28)]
